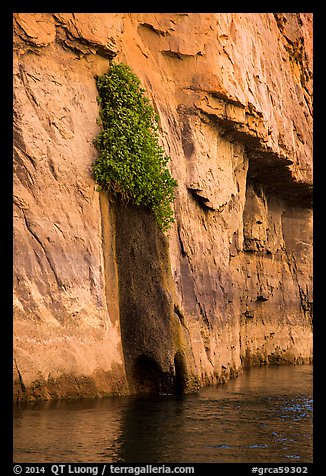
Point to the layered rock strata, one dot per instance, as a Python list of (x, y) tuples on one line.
[(106, 304)]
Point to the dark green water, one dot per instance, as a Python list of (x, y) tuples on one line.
[(264, 415)]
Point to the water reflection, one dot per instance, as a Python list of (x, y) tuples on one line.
[(151, 430), (265, 415), (65, 431)]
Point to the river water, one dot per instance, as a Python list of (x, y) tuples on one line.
[(264, 415)]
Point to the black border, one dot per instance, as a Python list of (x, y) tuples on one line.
[(6, 245), (123, 6)]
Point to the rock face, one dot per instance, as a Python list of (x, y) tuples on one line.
[(104, 303)]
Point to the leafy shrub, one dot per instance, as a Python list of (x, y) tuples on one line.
[(131, 164)]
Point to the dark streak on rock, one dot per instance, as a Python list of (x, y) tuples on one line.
[(23, 387), (182, 248)]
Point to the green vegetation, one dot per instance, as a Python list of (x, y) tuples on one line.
[(131, 164)]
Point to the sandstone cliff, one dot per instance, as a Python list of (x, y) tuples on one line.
[(104, 303)]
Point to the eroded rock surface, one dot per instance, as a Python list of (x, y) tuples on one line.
[(105, 304)]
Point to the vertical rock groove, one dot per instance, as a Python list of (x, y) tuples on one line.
[(145, 304), (109, 258)]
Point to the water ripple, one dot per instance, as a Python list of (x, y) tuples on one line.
[(261, 416)]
